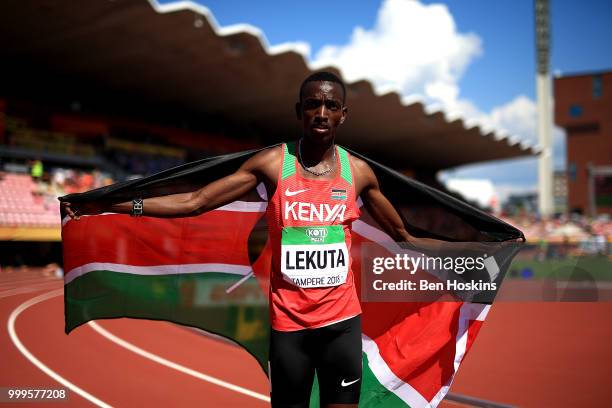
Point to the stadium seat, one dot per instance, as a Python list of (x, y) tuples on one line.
[(21, 206)]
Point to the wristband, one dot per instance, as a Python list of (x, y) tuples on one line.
[(137, 207)]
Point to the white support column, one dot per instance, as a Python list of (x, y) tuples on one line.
[(545, 162), (543, 89)]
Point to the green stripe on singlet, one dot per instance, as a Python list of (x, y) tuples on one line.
[(288, 160), (329, 234), (345, 167)]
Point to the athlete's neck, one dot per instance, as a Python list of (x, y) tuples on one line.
[(314, 154)]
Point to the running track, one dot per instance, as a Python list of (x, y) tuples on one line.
[(527, 354), (118, 376)]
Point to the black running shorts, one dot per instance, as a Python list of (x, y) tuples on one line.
[(334, 351)]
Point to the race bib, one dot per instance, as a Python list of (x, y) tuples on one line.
[(313, 257)]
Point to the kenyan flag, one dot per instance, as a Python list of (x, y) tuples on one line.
[(179, 270), (168, 269)]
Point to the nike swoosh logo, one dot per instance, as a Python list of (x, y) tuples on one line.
[(292, 193), (346, 384)]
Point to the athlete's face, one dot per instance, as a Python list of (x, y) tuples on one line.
[(321, 110)]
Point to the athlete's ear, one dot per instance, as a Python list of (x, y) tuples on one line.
[(344, 113), (298, 110)]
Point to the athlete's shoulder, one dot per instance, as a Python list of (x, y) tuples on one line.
[(265, 163), (360, 165), (270, 152), (267, 156), (363, 175)]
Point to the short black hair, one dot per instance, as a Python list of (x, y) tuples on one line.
[(323, 76)]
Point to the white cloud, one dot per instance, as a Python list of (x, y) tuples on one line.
[(412, 48), (519, 117), (416, 50)]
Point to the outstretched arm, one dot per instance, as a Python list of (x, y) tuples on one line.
[(382, 210), (385, 214), (213, 195)]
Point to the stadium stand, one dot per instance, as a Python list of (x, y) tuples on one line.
[(585, 234), (21, 205)]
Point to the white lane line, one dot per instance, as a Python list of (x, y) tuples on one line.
[(28, 289), (35, 285), (23, 350), (22, 282), (175, 366)]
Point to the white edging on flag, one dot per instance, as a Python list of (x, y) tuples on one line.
[(26, 353), (384, 375), (388, 379), (261, 190), (244, 206), (374, 234), (156, 270), (468, 311), (175, 366), (476, 311)]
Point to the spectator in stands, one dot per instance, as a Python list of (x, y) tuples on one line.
[(37, 169), (98, 178), (59, 177), (86, 181), (53, 269)]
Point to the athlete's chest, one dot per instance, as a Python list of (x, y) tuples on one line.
[(314, 221), (306, 201), (320, 202)]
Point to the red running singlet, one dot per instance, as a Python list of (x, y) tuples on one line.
[(309, 221)]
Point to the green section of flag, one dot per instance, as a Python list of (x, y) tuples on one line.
[(373, 394), (330, 234), (194, 299)]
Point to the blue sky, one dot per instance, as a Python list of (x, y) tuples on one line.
[(506, 28), (482, 67)]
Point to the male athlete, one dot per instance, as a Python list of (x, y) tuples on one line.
[(313, 185)]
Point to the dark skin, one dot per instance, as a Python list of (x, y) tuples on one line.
[(321, 111)]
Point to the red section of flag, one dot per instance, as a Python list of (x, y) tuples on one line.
[(213, 237)]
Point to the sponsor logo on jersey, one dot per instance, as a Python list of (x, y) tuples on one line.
[(290, 193), (338, 194), (316, 234), (299, 211)]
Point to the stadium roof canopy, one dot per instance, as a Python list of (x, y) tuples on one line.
[(175, 54)]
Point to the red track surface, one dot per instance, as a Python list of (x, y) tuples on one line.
[(118, 376), (537, 354), (527, 354)]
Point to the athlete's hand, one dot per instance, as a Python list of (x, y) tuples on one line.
[(76, 210)]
